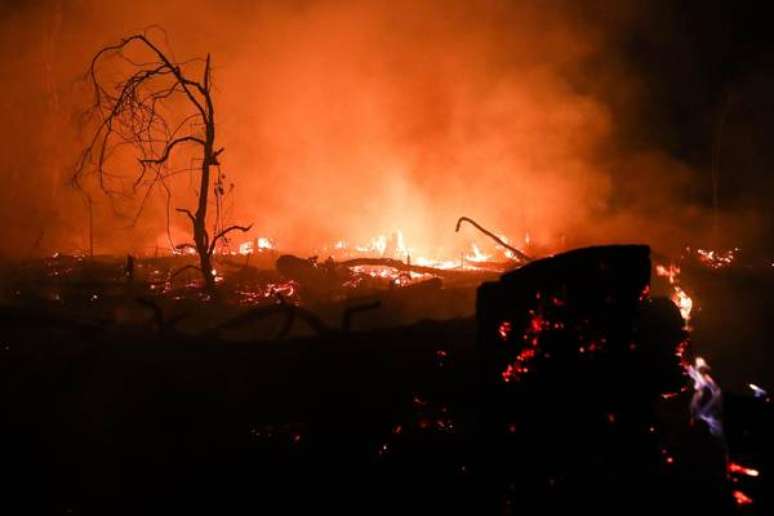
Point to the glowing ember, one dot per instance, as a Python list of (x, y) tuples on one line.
[(504, 330), (679, 297), (715, 259), (671, 272), (477, 255), (378, 245), (270, 292), (758, 392), (683, 302), (532, 337), (741, 498), (187, 250), (735, 468), (443, 265), (262, 244), (667, 457), (385, 272), (265, 243), (507, 252)]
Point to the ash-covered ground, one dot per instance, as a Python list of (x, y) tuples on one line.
[(374, 394)]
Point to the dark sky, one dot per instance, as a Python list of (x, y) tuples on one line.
[(700, 60)]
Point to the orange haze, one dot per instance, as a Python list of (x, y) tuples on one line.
[(342, 120)]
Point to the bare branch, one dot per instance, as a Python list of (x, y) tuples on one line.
[(134, 114), (520, 255), (171, 145), (187, 212), (225, 232)]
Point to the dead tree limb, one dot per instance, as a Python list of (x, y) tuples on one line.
[(520, 255), (404, 267), (222, 234)]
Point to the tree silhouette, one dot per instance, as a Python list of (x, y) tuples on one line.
[(151, 104)]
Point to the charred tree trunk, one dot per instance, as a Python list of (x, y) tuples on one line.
[(133, 116), (200, 235)]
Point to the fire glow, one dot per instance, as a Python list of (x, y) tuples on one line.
[(738, 469), (715, 259), (394, 246), (679, 297)]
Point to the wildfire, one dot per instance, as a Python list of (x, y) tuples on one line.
[(531, 336), (394, 246), (683, 302), (701, 408), (477, 255), (758, 392), (715, 259), (443, 265), (735, 468), (378, 245), (187, 250), (679, 297), (262, 244), (671, 272), (741, 498)]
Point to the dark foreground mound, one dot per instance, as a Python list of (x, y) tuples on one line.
[(552, 399)]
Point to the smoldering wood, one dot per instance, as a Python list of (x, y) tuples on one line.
[(344, 393), (329, 275)]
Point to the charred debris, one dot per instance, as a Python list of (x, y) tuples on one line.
[(563, 387)]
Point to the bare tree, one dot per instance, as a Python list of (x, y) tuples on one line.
[(151, 106)]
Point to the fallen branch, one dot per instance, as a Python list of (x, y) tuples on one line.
[(398, 265), (520, 255)]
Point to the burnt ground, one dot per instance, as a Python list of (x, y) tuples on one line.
[(106, 411)]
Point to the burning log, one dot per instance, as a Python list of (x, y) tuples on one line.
[(395, 264), (307, 271), (330, 275)]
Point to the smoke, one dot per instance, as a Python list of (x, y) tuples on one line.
[(342, 120)]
